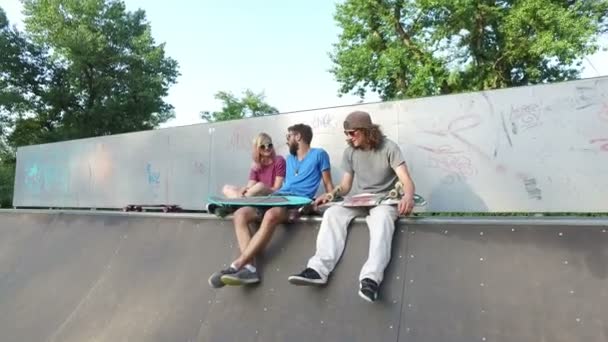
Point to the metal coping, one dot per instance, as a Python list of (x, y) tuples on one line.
[(414, 220)]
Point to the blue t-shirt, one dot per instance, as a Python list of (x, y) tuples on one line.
[(303, 176)]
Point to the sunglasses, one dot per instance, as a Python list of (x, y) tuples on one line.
[(266, 147), (350, 133)]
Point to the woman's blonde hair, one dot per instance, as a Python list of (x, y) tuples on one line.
[(261, 139)]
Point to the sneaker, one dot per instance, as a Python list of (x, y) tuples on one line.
[(216, 278), (307, 277), (368, 290), (219, 211), (243, 277), (293, 215)]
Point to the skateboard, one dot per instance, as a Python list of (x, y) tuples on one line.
[(370, 200), (222, 206), (165, 208)]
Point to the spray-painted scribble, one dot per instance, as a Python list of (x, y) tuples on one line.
[(43, 178), (602, 143), (99, 165), (459, 165), (153, 176), (452, 178), (443, 149), (585, 97), (449, 159), (603, 112), (322, 121), (506, 131), (461, 123), (524, 117), (200, 167), (240, 140), (532, 189)]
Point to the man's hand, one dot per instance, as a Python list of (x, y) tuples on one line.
[(321, 200), (406, 205)]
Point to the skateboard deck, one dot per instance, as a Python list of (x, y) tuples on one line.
[(221, 206), (165, 208), (372, 200)]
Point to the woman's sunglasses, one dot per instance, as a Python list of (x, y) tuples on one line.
[(267, 146), (350, 133)]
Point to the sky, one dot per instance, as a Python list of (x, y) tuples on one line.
[(275, 46)]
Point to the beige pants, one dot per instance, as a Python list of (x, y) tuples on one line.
[(332, 237)]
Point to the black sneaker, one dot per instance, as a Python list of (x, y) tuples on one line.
[(368, 290), (307, 277), (215, 280)]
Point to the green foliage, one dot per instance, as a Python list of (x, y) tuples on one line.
[(409, 48), (97, 71), (250, 105), (7, 175), (81, 68)]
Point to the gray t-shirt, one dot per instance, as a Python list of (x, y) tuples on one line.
[(373, 169)]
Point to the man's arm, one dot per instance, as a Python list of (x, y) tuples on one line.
[(406, 205), (345, 185), (327, 182)]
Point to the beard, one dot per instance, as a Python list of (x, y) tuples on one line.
[(293, 149)]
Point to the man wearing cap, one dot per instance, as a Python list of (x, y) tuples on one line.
[(377, 164)]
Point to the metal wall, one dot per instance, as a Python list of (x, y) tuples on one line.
[(537, 148)]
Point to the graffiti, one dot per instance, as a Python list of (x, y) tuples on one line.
[(452, 178), (239, 142), (504, 129), (322, 121), (199, 167), (443, 149), (153, 176), (531, 188), (100, 164), (460, 167), (45, 179), (603, 113), (524, 117), (457, 165), (603, 143), (585, 97), (461, 123)]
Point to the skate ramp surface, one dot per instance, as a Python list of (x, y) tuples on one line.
[(79, 276)]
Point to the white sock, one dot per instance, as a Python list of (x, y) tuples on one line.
[(234, 266), (250, 267)]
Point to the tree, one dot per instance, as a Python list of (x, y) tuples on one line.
[(250, 105), (409, 48), (106, 75), (81, 68)]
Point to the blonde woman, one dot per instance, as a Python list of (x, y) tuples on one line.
[(267, 172)]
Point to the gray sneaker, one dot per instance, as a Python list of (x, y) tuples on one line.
[(242, 277), (215, 280)]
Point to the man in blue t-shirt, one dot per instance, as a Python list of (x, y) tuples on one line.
[(306, 167)]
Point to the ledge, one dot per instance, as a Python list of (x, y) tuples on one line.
[(413, 220)]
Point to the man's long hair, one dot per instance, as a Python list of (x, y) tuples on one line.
[(373, 136)]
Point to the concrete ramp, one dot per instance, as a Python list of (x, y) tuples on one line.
[(121, 277)]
